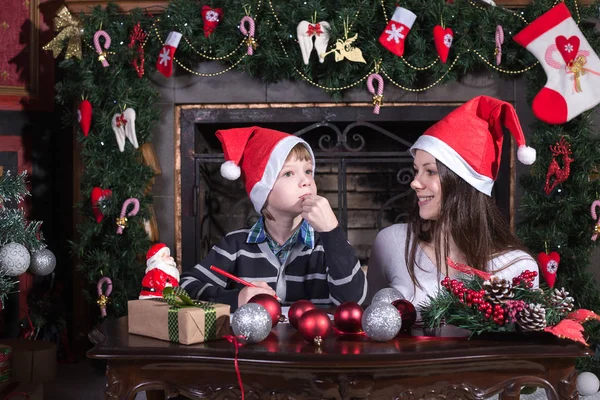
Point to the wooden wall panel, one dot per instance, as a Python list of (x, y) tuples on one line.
[(26, 71)]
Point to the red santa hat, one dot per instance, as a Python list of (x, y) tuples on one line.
[(155, 249), (258, 154), (469, 140)]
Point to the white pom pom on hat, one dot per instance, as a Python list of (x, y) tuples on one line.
[(526, 155), (230, 170)]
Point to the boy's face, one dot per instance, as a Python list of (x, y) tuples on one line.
[(295, 180)]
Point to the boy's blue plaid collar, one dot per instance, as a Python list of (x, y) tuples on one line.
[(258, 233)]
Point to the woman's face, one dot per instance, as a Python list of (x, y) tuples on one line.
[(426, 184)]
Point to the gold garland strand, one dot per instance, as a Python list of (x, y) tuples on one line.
[(206, 75), (503, 8), (215, 58), (426, 87), (328, 88), (504, 71), (419, 68)]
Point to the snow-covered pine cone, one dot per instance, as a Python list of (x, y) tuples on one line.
[(532, 318), (497, 290), (562, 301)]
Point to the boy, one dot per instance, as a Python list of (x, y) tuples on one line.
[(296, 250)]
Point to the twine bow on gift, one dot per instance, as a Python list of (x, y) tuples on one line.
[(103, 297), (69, 29), (250, 41), (577, 68), (377, 95), (122, 220), (178, 298)]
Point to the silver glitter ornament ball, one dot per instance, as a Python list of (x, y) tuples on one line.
[(14, 259), (43, 262), (387, 295), (251, 321), (381, 321)]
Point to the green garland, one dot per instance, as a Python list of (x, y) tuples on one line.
[(561, 221)]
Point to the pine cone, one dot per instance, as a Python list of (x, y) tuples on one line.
[(532, 318), (562, 301), (497, 290)]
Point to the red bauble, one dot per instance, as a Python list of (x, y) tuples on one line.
[(348, 317), (407, 313), (271, 304), (314, 326), (99, 195), (297, 309)]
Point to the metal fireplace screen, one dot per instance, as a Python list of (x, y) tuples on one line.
[(363, 168)]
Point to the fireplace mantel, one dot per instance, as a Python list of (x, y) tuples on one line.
[(156, 6)]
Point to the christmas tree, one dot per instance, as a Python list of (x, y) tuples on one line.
[(18, 236)]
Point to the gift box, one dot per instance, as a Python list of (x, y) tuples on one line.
[(179, 323)]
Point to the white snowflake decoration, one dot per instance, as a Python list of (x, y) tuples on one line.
[(164, 57), (552, 266), (395, 34), (78, 116), (212, 16), (448, 40), (568, 47)]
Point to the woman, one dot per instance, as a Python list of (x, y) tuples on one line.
[(456, 162)]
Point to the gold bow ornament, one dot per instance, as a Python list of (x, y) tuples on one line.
[(69, 29), (577, 68), (378, 100)]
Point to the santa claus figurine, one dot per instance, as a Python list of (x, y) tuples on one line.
[(161, 272)]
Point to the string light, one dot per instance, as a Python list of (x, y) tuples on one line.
[(426, 87)]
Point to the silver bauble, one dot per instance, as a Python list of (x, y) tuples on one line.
[(43, 262), (251, 321), (381, 321), (387, 295), (14, 259), (587, 384)]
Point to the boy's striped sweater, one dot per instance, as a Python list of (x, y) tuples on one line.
[(328, 274)]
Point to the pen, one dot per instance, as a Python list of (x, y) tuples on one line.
[(233, 277)]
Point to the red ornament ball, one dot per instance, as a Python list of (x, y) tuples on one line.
[(407, 312), (314, 326), (348, 317), (297, 309), (271, 304)]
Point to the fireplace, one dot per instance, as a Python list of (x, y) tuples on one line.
[(363, 167)]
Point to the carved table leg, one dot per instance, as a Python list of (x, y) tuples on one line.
[(119, 386)]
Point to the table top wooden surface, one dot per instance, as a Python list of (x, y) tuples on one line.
[(285, 347)]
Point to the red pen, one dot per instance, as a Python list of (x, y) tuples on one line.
[(234, 278)]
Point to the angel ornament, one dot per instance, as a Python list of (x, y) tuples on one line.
[(345, 49), (123, 126), (306, 31)]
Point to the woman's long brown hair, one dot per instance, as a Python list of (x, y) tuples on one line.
[(471, 218)]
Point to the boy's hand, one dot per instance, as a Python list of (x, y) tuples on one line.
[(317, 211), (249, 292)]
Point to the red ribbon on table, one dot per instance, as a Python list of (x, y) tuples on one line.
[(234, 340)]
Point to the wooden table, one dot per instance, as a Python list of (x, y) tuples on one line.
[(285, 367)]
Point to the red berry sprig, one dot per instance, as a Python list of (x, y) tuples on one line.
[(527, 277), (474, 298)]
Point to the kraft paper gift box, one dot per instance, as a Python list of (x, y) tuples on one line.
[(202, 322)]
